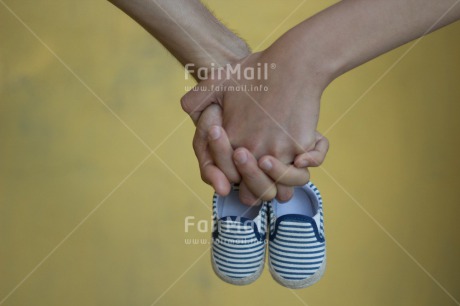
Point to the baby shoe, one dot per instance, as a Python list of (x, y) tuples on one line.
[(297, 246), (238, 244)]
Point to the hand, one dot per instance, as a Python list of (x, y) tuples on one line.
[(280, 123), (214, 153), (266, 174), (210, 173)]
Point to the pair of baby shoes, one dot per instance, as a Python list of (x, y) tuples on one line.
[(293, 231)]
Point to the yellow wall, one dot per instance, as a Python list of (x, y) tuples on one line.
[(89, 217)]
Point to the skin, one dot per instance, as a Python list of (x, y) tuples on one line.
[(256, 174), (281, 123), (277, 127), (194, 36), (187, 29)]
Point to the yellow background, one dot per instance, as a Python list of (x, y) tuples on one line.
[(89, 217)]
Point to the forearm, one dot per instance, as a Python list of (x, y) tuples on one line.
[(187, 29), (353, 32)]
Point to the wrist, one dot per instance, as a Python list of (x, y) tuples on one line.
[(316, 62), (308, 70), (218, 54)]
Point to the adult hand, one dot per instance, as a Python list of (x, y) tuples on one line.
[(280, 122), (217, 167), (268, 174)]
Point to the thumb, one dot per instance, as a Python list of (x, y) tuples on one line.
[(200, 97), (316, 156)]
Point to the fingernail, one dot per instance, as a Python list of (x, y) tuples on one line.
[(266, 165), (301, 164), (214, 133), (241, 157)]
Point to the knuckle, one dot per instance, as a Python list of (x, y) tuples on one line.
[(314, 160), (184, 103), (195, 142), (250, 173), (327, 145), (308, 144), (320, 159), (283, 152), (204, 177), (197, 148), (319, 162)]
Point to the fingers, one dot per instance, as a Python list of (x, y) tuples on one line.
[(284, 193), (257, 182), (222, 153), (283, 174), (199, 98), (315, 157), (247, 197), (210, 174)]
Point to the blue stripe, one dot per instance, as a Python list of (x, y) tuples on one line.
[(230, 248), (297, 278), (250, 268), (295, 262), (243, 237), (289, 245), (301, 265), (283, 235), (227, 253), (292, 252), (224, 248), (243, 274), (294, 232), (255, 262), (294, 273)]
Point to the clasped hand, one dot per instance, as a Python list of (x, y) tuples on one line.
[(264, 140)]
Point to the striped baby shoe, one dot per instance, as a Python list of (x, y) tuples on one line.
[(238, 244), (297, 247)]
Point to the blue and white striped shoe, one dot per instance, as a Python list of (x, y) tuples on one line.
[(297, 247), (238, 244)]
